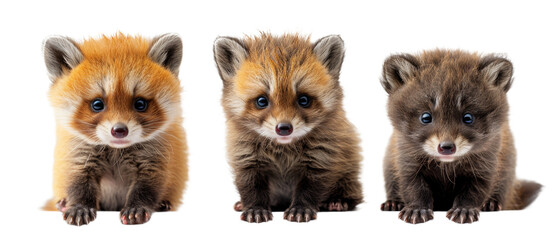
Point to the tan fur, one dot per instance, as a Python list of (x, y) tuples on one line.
[(319, 166)]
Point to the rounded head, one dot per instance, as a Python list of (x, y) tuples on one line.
[(117, 90), (447, 104), (282, 87)]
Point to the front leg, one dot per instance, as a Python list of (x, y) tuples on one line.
[(81, 206), (307, 195), (252, 184), (467, 203), (418, 198), (144, 195), (391, 184)]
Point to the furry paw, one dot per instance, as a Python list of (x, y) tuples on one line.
[(238, 206), (61, 205), (164, 206), (335, 205), (491, 206), (463, 215), (415, 215), (135, 215), (299, 214), (79, 215), (391, 205), (257, 215)]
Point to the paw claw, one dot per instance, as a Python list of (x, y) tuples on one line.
[(491, 205), (61, 205), (299, 214), (257, 215), (79, 215), (164, 206), (415, 215), (463, 215), (238, 206), (291, 217), (391, 205), (335, 205), (138, 215)]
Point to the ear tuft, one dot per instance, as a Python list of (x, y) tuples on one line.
[(330, 51), (166, 50), (497, 71), (229, 54), (397, 70), (61, 55)]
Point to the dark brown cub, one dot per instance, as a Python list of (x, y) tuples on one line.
[(451, 149)]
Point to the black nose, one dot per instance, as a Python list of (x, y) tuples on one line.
[(119, 130), (284, 129), (447, 148)]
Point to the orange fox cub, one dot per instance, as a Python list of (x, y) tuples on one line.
[(289, 143), (120, 141)]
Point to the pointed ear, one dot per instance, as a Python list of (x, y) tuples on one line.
[(166, 50), (397, 71), (229, 54), (61, 55), (497, 71), (330, 51)]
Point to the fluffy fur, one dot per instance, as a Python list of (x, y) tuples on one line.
[(480, 174), (144, 171), (317, 165)]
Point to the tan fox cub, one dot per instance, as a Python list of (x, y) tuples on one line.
[(289, 143), (452, 148), (120, 141)]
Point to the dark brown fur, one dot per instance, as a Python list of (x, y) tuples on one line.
[(449, 84), (318, 170)]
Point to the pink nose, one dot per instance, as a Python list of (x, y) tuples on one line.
[(447, 148), (119, 130)]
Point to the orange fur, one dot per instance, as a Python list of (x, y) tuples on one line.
[(118, 69)]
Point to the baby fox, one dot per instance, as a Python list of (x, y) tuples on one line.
[(451, 147), (289, 143), (120, 141)]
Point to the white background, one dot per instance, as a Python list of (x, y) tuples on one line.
[(527, 33)]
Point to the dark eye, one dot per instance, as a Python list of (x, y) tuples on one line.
[(304, 101), (426, 118), (468, 118), (97, 105), (261, 102), (140, 105)]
